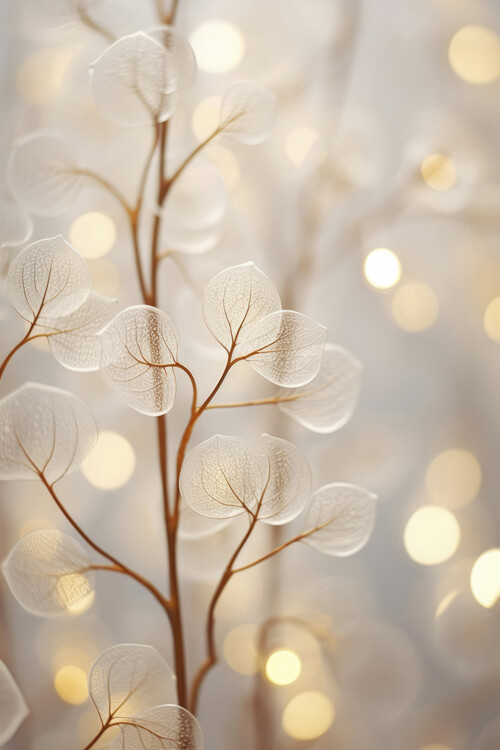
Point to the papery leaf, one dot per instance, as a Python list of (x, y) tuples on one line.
[(194, 526), (247, 113), (43, 173), (285, 347), (220, 477), (328, 401), (133, 81), (160, 728), (343, 516), (48, 278), (73, 338), (138, 351), (182, 57), (288, 482), (128, 678), (48, 572), (13, 708), (235, 300), (16, 226), (44, 430)]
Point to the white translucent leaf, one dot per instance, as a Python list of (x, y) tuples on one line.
[(48, 572), (327, 402), (128, 678), (198, 198), (188, 241), (73, 338), (344, 516), (138, 351), (44, 430), (285, 347), (133, 81), (48, 278), (160, 728), (247, 112), (182, 57), (43, 173), (220, 477), (16, 226), (287, 483), (235, 300), (193, 526), (13, 708)]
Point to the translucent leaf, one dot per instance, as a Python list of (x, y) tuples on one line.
[(160, 728), (235, 300), (48, 573), (73, 339), (48, 278), (182, 57), (220, 477), (138, 351), (16, 226), (327, 402), (128, 678), (44, 430), (287, 483), (247, 112), (42, 173), (344, 516), (133, 81), (13, 708), (193, 526), (285, 347)]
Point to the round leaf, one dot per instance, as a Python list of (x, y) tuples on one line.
[(247, 113), (13, 708), (182, 57), (160, 728)]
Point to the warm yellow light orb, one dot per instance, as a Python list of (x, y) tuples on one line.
[(415, 307), (219, 46), (432, 535), (93, 234), (105, 277), (382, 268), (492, 319), (453, 478), (439, 172), (485, 578), (240, 649), (283, 667), (40, 77), (308, 716), (70, 683), (111, 463), (474, 55), (299, 143), (80, 607)]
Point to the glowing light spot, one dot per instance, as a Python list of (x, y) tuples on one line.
[(219, 46), (105, 277), (299, 143), (445, 603), (415, 307), (80, 607), (75, 592), (70, 683), (283, 667), (492, 319), (93, 234), (485, 578), (34, 524), (240, 649), (308, 716), (439, 172), (111, 463), (432, 535), (206, 117), (40, 77), (453, 478), (382, 268), (474, 55)]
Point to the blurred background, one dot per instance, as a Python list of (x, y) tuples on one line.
[(375, 207)]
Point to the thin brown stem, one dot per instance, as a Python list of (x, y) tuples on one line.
[(161, 195), (18, 346), (257, 402), (107, 186), (99, 734), (180, 169), (94, 26)]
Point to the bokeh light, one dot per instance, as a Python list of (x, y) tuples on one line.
[(431, 535), (308, 716), (219, 46), (206, 117), (299, 144), (492, 319), (111, 463), (240, 649), (70, 683), (283, 667), (453, 478), (41, 76), (382, 268), (485, 578), (415, 307), (474, 55), (438, 172), (93, 234)]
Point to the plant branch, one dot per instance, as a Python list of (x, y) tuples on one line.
[(99, 734), (107, 186), (18, 346), (191, 156), (86, 19), (257, 402)]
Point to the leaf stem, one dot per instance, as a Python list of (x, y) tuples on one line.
[(180, 169), (257, 402), (99, 734)]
